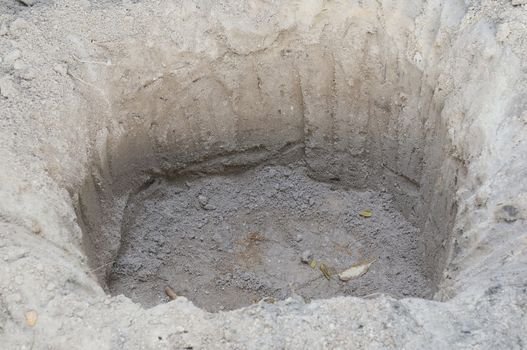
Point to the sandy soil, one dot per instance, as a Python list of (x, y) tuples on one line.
[(228, 241)]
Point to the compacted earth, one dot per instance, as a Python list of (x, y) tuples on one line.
[(230, 240)]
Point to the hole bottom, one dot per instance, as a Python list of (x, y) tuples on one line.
[(226, 241)]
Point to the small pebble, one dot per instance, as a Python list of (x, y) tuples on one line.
[(203, 200), (7, 88), (306, 257), (209, 207), (35, 227), (31, 318)]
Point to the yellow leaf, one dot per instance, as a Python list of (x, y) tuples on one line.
[(366, 213), (325, 271), (313, 264), (31, 318), (355, 271)]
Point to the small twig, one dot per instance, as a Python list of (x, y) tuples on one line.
[(84, 82), (92, 62), (100, 267), (32, 340), (180, 67), (170, 293)]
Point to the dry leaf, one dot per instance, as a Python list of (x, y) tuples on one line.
[(366, 213), (255, 237), (313, 264), (355, 271), (31, 318), (325, 271)]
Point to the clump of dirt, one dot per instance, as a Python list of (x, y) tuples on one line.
[(226, 241)]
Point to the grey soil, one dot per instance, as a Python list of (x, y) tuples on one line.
[(228, 241)]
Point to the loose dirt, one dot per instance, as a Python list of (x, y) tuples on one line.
[(228, 241)]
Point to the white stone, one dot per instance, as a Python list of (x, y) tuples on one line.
[(7, 88)]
